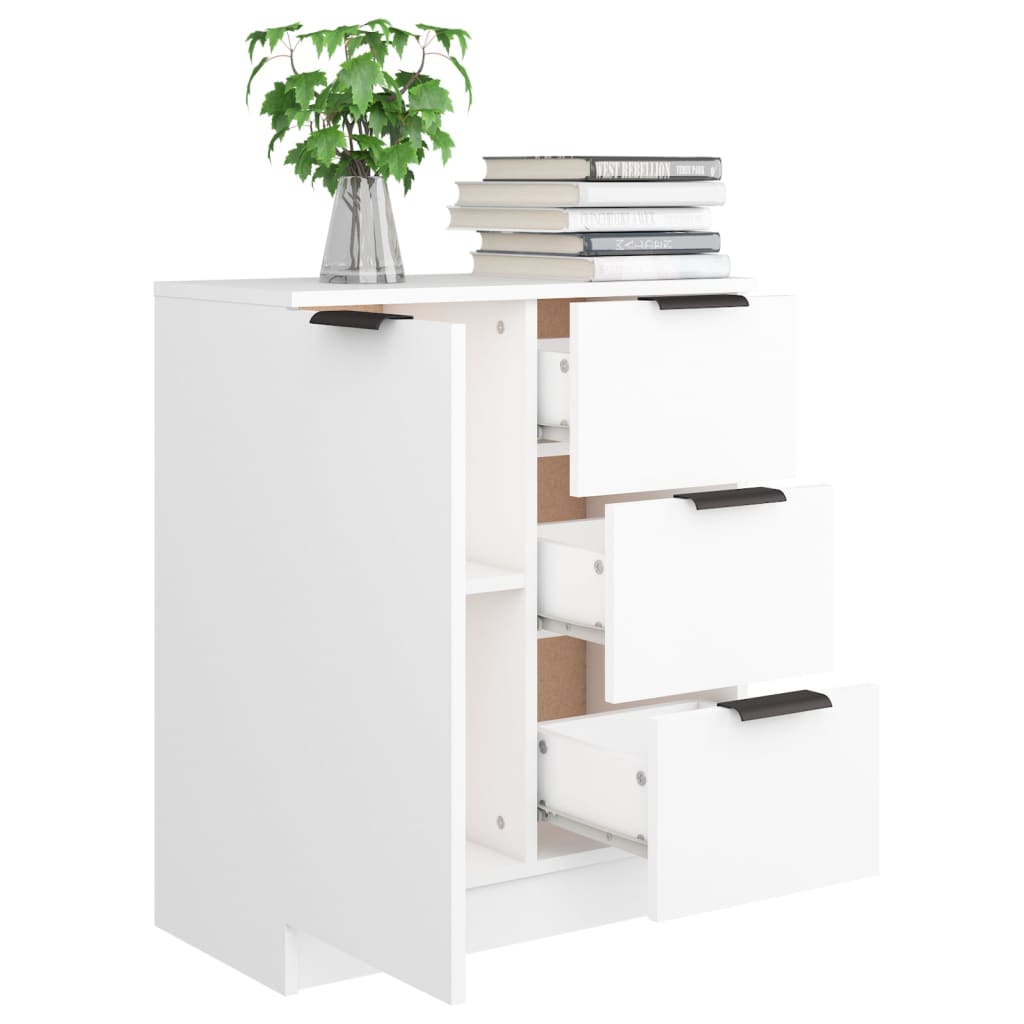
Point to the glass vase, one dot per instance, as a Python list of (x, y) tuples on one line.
[(362, 244)]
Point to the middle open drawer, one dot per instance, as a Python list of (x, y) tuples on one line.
[(690, 594)]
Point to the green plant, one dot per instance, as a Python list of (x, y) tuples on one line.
[(361, 119)]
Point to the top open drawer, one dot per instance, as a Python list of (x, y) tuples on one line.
[(667, 398)]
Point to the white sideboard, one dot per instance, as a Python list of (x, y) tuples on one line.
[(443, 664)]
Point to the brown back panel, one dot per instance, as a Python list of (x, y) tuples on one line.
[(561, 661), (554, 502), (561, 678)]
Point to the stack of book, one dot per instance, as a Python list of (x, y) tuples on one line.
[(595, 218)]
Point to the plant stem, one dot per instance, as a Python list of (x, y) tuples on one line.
[(423, 60)]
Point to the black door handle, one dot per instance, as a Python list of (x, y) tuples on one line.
[(696, 301), (365, 319), (734, 497), (774, 704)]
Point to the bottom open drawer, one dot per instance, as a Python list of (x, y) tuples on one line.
[(731, 804)]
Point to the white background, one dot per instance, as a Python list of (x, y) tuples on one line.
[(873, 165)]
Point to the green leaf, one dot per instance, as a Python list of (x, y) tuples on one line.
[(325, 143), (445, 36), (399, 39), (398, 158), (463, 37), (302, 158), (408, 180), (279, 100), (255, 71), (330, 173), (275, 139), (429, 120), (360, 74), (465, 79), (443, 141), (429, 94), (336, 38), (377, 117), (253, 38), (412, 129), (304, 84), (374, 41), (318, 39), (275, 35), (371, 144)]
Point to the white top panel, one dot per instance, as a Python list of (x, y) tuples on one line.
[(291, 292)]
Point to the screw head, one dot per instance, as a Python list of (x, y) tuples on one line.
[(501, 326), (599, 567), (641, 778), (543, 746), (501, 821), (564, 366)]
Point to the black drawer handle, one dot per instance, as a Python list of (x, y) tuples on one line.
[(696, 301), (734, 497), (774, 704), (365, 319)]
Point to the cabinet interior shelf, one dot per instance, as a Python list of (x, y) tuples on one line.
[(489, 579)]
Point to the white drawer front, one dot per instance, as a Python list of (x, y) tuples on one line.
[(781, 804), (663, 399), (692, 599), (729, 811)]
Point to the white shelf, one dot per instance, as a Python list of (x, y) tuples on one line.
[(489, 579), (557, 850), (548, 448), (305, 292)]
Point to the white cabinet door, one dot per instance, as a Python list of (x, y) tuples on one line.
[(311, 639), (705, 597), (743, 810), (662, 399)]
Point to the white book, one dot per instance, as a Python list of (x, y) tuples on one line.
[(636, 218), (601, 243), (591, 193), (602, 168), (602, 268)]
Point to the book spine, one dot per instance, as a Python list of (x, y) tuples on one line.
[(660, 268), (632, 220), (601, 245), (655, 170)]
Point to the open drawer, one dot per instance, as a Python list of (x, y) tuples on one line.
[(730, 803), (695, 592), (656, 399)]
